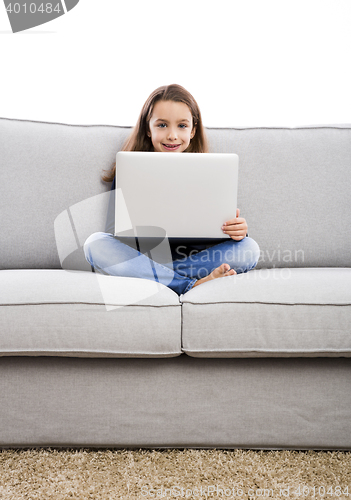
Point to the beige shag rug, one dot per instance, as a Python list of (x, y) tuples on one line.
[(190, 474)]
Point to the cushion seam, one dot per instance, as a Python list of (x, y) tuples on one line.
[(85, 303), (68, 351), (266, 350), (267, 303), (345, 126)]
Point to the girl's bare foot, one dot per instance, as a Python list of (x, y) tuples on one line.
[(219, 272)]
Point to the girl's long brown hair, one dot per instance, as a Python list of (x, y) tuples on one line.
[(139, 140)]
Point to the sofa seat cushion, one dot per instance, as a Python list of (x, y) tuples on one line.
[(84, 314), (270, 312)]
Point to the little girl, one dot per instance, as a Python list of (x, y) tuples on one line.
[(170, 122)]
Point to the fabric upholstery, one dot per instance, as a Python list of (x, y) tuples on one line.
[(56, 316), (276, 312), (294, 187), (77, 313), (176, 402)]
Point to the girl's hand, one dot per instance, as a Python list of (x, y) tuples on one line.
[(236, 228)]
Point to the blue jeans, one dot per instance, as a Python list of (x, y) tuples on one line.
[(108, 255)]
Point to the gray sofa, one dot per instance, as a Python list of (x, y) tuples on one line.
[(259, 360)]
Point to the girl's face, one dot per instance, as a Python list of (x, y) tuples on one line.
[(171, 127)]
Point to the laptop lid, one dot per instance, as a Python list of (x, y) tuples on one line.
[(185, 196)]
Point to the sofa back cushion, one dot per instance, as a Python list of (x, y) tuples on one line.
[(47, 169), (294, 191)]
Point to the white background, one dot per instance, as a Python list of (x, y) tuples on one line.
[(247, 62)]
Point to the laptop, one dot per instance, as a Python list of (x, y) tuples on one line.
[(185, 197)]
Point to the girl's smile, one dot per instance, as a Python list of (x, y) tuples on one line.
[(171, 147), (171, 127)]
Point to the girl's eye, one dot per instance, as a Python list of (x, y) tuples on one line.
[(182, 125), (161, 125)]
